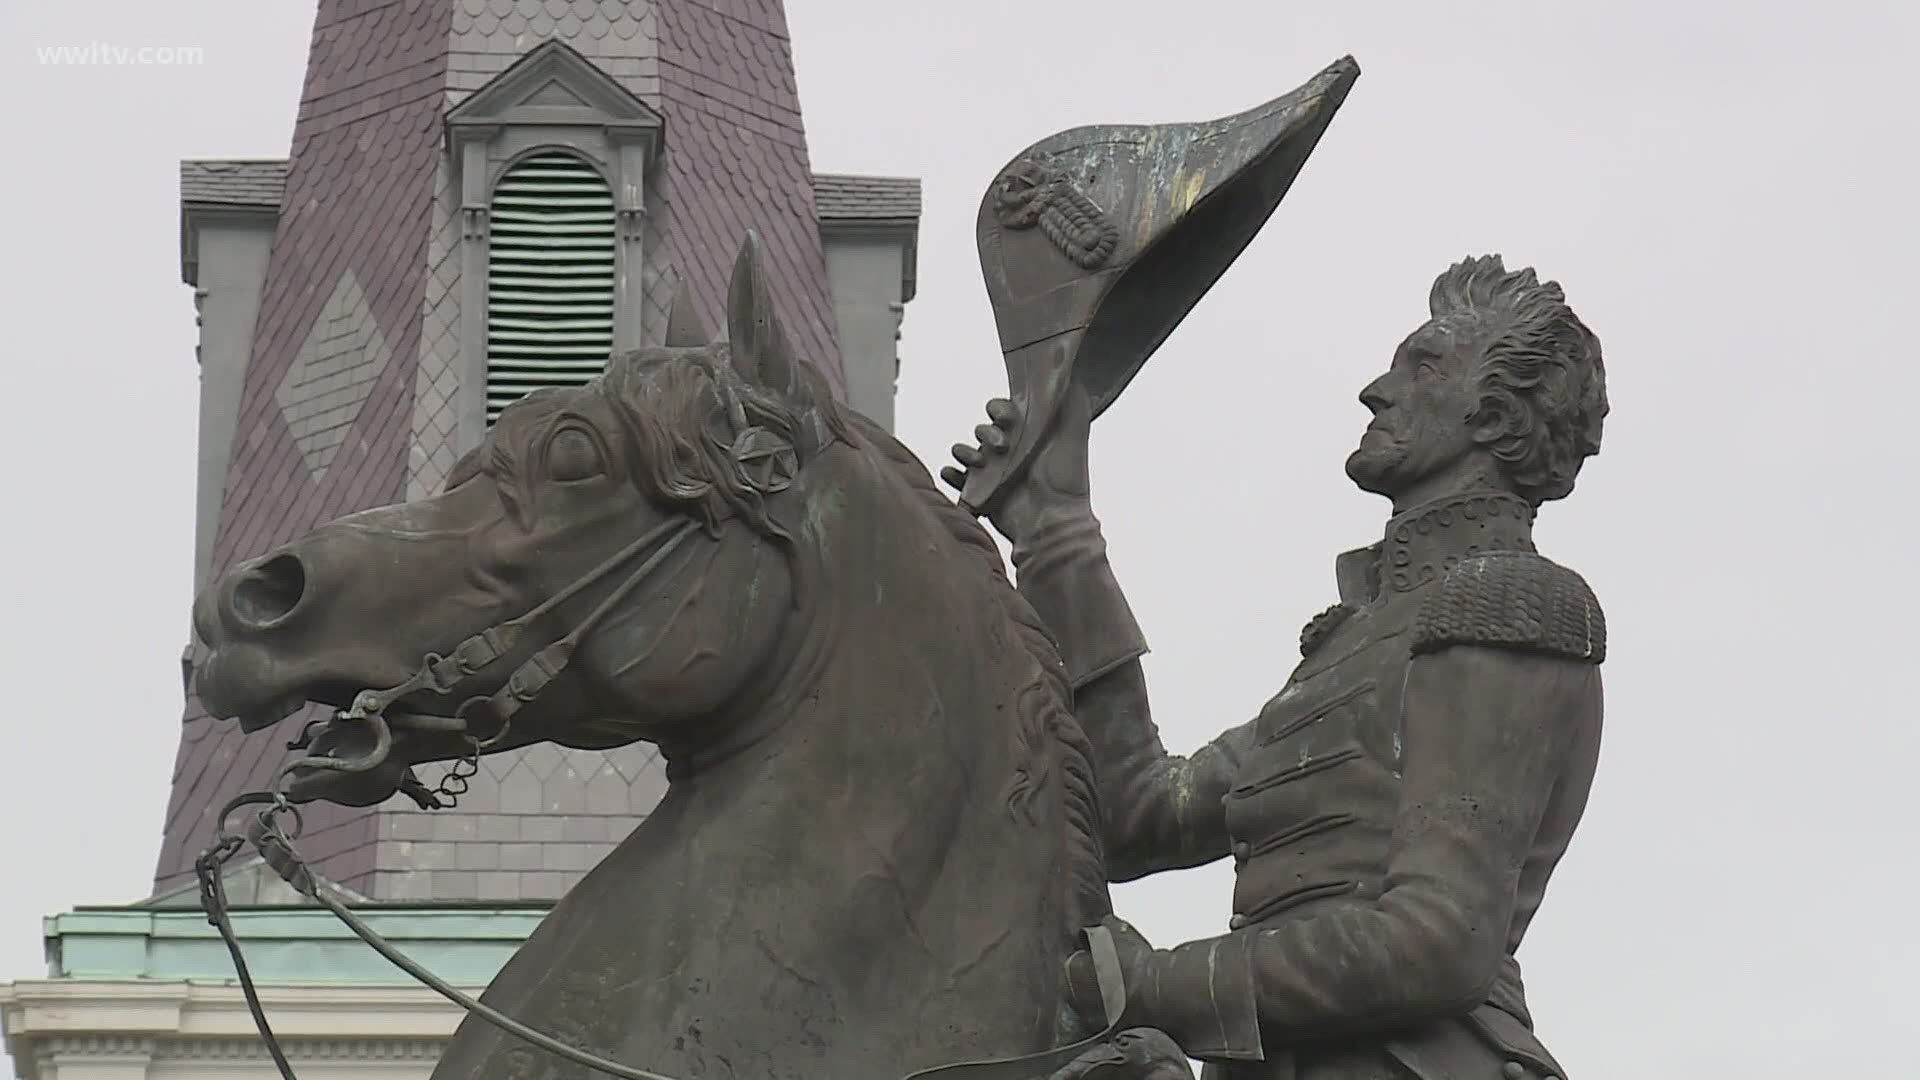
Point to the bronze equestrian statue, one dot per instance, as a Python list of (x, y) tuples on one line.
[(898, 786), (881, 840), (1395, 812)]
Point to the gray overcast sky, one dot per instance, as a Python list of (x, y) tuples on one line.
[(1726, 192)]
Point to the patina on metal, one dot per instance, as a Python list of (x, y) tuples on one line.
[(1395, 812), (1096, 242), (898, 786)]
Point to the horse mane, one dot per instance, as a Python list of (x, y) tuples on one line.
[(1047, 726), (682, 406)]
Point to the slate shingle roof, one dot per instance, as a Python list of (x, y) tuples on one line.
[(737, 160), (260, 182), (255, 182), (840, 197)]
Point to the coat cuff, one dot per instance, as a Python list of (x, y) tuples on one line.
[(1202, 994), (1062, 570)]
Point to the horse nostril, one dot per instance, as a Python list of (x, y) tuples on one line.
[(269, 592)]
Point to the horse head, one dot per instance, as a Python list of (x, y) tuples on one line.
[(579, 580)]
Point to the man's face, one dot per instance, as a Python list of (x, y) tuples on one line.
[(1420, 409)]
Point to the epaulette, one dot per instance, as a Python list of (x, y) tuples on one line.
[(1513, 600)]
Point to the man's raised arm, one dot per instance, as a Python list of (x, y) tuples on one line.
[(1163, 811)]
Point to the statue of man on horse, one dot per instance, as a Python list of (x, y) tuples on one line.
[(899, 786)]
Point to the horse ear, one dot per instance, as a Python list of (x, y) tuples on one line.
[(760, 350), (684, 328)]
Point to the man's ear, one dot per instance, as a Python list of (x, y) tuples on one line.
[(1491, 417)]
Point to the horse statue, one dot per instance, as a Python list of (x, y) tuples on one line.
[(880, 843), (880, 837)]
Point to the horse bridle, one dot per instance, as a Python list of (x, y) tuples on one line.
[(443, 676), (486, 720)]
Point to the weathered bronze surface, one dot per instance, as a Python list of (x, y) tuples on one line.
[(900, 787), (1395, 812), (879, 844)]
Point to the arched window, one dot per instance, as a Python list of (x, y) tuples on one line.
[(550, 277)]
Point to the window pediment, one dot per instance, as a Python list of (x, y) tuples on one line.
[(554, 86)]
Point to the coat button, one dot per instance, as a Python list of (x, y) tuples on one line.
[(1241, 850), (1238, 922), (1513, 1070)]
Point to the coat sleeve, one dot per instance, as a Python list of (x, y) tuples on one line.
[(1491, 708), (1162, 811)]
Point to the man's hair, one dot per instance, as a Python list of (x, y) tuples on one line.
[(1542, 383)]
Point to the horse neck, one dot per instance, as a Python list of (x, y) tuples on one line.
[(896, 746)]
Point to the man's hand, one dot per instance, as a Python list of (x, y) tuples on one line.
[(1136, 966), (1054, 481)]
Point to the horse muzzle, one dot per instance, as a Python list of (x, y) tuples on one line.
[(353, 604)]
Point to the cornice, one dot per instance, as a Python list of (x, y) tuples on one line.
[(195, 216), (97, 1045), (41, 1009), (902, 231), (342, 1049)]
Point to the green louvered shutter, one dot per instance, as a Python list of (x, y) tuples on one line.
[(550, 278)]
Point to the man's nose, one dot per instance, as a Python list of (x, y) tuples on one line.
[(1374, 395)]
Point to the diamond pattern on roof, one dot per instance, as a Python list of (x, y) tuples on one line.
[(436, 389), (326, 386)]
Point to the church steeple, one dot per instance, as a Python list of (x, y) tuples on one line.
[(433, 136)]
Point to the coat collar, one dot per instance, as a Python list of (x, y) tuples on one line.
[(1425, 542)]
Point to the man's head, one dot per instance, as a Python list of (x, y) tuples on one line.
[(1503, 386)]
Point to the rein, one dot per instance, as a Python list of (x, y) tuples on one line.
[(276, 848), (440, 675), (275, 845)]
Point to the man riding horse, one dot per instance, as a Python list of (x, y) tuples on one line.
[(703, 550), (1395, 812)]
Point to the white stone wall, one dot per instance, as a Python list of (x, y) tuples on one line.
[(865, 270), (151, 1030)]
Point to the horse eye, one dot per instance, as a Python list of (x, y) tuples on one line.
[(573, 455)]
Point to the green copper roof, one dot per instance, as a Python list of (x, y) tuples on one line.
[(466, 945)]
